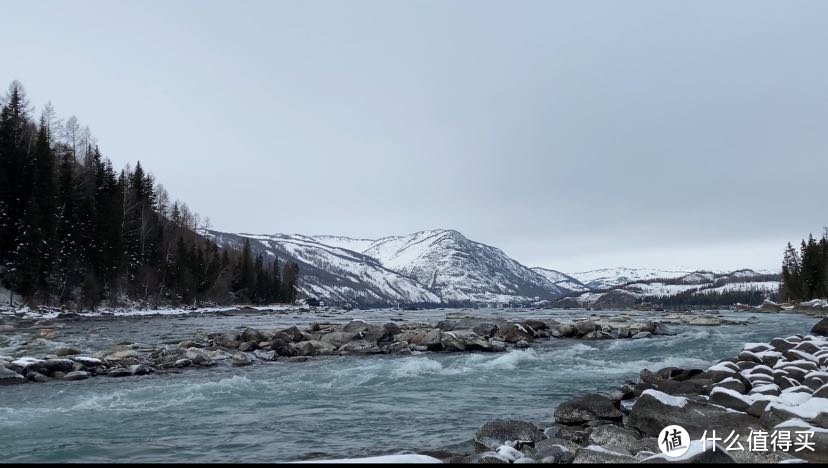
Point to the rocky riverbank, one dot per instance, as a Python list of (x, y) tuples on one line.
[(777, 386), (248, 345)]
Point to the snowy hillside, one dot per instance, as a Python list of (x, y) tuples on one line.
[(658, 285), (442, 266), (459, 269), (561, 280), (436, 266), (607, 278), (335, 274)]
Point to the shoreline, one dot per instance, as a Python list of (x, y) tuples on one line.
[(777, 386)]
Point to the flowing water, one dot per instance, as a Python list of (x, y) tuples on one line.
[(332, 407)]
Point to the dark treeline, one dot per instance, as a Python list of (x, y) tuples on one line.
[(74, 232), (805, 272), (712, 298)]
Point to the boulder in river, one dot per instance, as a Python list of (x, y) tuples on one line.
[(597, 454), (359, 347), (586, 408), (656, 410), (76, 375), (821, 328), (10, 377), (313, 348), (514, 332), (338, 339), (431, 339), (610, 434), (493, 434)]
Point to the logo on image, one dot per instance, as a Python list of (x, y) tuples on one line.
[(674, 441)]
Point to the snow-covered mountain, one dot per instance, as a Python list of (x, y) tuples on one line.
[(436, 266), (637, 284), (561, 280), (335, 274), (442, 266), (458, 269), (608, 278)]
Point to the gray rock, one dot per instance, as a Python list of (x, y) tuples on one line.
[(720, 455), (555, 453), (360, 347), (757, 408), (542, 445), (641, 335), (248, 346), (76, 375), (609, 434), (313, 348), (119, 372), (241, 359), (37, 377), (52, 366), (431, 339), (183, 363), (355, 326), (398, 347), (821, 328), (655, 410), (265, 355), (493, 434), (734, 384), (392, 328), (375, 333), (514, 332), (10, 377), (251, 334), (293, 334), (728, 400), (338, 339), (139, 369), (597, 454), (586, 408), (66, 352), (487, 457)]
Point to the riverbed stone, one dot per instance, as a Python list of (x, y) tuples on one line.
[(183, 363), (655, 410), (313, 348), (359, 347), (598, 454), (338, 339), (398, 347), (240, 359), (514, 332), (610, 434), (821, 328), (493, 434), (76, 375), (586, 408), (119, 372), (251, 334), (248, 346), (66, 352), (431, 339), (10, 377)]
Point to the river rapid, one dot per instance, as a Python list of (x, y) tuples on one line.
[(331, 407)]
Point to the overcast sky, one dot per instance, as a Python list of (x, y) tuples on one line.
[(573, 135)]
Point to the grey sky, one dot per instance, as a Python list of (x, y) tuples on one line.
[(573, 135)]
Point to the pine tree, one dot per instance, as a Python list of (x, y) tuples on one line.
[(15, 174), (276, 282)]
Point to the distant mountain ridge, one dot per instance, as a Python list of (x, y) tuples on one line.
[(443, 267)]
